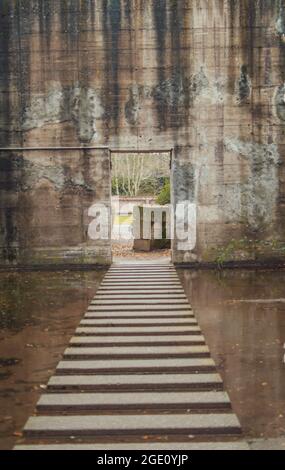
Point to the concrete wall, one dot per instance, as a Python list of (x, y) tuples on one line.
[(205, 78), (45, 206)]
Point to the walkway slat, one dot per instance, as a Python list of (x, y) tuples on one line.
[(138, 307), (140, 321), (185, 424), (134, 314), (142, 330), (134, 400), (144, 302), (236, 446), (170, 293), (143, 297), (136, 365), (147, 288), (135, 351), (136, 382), (136, 340)]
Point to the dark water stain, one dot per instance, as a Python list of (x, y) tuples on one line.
[(185, 182), (131, 109), (248, 19), (45, 17), (279, 99), (11, 173), (172, 93), (251, 16), (268, 68), (280, 27), (128, 10), (21, 29), (38, 314), (242, 315), (174, 96), (180, 29), (86, 17), (251, 22), (219, 160), (70, 20), (10, 235), (5, 28), (233, 9), (112, 16), (242, 15), (45, 12), (280, 102), (11, 166), (88, 12), (280, 21), (177, 115), (244, 86), (89, 6), (160, 24), (86, 167)]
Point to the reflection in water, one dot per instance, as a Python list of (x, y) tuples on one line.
[(242, 314), (38, 314)]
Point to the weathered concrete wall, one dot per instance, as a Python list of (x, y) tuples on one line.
[(205, 78), (45, 211)]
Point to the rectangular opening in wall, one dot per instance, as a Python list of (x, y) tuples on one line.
[(141, 206)]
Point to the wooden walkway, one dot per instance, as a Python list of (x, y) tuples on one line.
[(136, 375)]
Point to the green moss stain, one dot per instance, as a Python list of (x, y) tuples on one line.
[(247, 248)]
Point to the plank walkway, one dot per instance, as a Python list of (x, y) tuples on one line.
[(136, 375)]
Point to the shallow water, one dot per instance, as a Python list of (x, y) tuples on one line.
[(38, 314), (242, 314)]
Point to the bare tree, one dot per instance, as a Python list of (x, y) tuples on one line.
[(130, 170)]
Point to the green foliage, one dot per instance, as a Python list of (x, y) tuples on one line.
[(139, 174), (164, 197), (148, 187), (118, 185)]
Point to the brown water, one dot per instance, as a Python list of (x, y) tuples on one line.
[(38, 314), (242, 314)]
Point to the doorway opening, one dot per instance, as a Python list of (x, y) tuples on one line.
[(141, 207)]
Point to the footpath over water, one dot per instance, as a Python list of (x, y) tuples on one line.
[(136, 375)]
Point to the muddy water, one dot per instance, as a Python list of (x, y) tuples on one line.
[(38, 315), (242, 314)]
